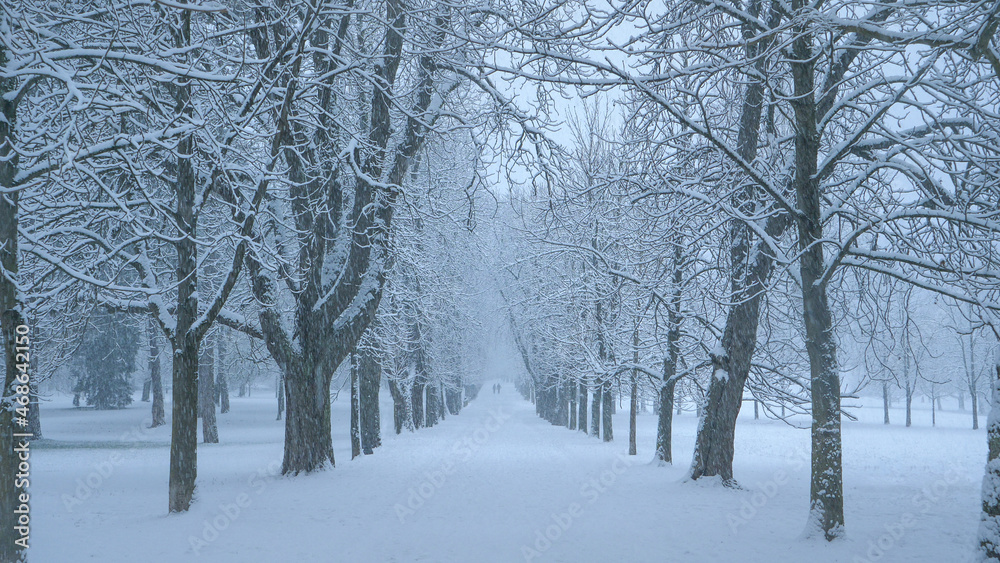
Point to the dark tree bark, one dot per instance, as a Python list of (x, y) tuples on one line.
[(417, 404), (10, 320), (370, 375), (401, 416), (184, 421), (582, 407), (826, 486), (279, 393), (308, 438), (158, 413), (10, 315), (908, 391), (665, 423), (634, 394), (595, 411), (355, 408), (885, 402), (560, 410), (206, 393), (608, 434), (572, 391), (664, 428), (186, 343), (974, 397), (442, 401), (933, 410), (453, 397), (633, 411), (146, 388), (433, 404), (222, 384), (714, 446), (223, 393), (191, 323), (989, 523)]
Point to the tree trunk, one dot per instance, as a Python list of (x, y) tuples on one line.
[(633, 411), (756, 409), (223, 392), (433, 404), (158, 414), (184, 425), (206, 393), (401, 416), (634, 394), (370, 382), (974, 398), (664, 429), (933, 411), (989, 522), (355, 408), (595, 411), (606, 414), (146, 387), (714, 444), (442, 404), (826, 485), (222, 385), (909, 404), (885, 402), (184, 418), (582, 407), (308, 438), (453, 398), (10, 318), (572, 392), (280, 394), (560, 410), (417, 405), (186, 336)]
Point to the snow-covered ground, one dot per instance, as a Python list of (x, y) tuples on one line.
[(497, 484)]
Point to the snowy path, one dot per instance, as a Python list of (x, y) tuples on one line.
[(489, 485)]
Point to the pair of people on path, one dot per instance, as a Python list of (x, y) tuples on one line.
[(496, 388)]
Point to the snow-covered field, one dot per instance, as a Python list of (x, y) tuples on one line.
[(497, 484)]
